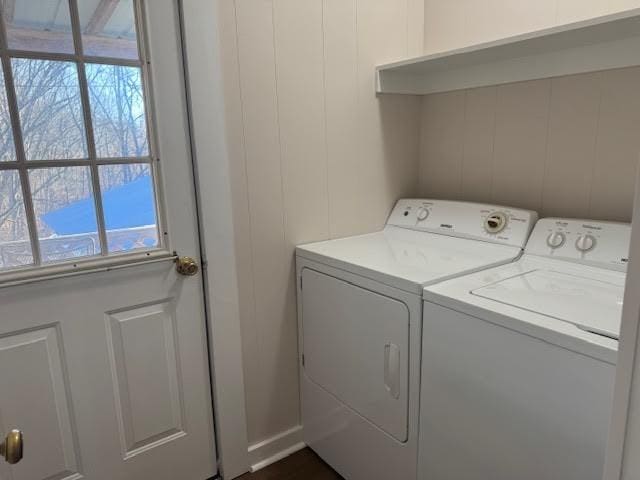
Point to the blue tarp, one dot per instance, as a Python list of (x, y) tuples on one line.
[(128, 206)]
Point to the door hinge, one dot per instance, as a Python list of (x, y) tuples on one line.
[(303, 359), (300, 282)]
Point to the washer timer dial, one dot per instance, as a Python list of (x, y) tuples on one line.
[(556, 239), (495, 222), (422, 214), (585, 243)]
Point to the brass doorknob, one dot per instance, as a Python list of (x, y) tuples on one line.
[(11, 448), (187, 266)]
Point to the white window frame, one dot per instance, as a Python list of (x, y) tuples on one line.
[(105, 260)]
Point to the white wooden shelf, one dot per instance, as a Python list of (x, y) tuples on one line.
[(602, 43)]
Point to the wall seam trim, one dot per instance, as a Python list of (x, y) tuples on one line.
[(496, 94), (248, 196), (325, 110), (596, 142), (547, 148), (278, 124), (464, 143)]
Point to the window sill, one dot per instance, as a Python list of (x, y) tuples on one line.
[(30, 275)]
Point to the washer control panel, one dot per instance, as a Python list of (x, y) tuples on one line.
[(603, 244), (508, 226)]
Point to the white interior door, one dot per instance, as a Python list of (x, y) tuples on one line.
[(105, 370)]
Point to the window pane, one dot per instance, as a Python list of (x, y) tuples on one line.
[(15, 248), (118, 111), (7, 148), (50, 109), (129, 205), (108, 28), (39, 25), (65, 213)]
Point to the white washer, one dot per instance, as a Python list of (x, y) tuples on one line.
[(519, 361), (360, 311)]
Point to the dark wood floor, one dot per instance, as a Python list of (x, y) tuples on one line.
[(303, 465)]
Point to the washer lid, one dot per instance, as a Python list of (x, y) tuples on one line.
[(589, 303)]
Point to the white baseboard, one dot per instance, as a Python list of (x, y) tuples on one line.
[(266, 452)]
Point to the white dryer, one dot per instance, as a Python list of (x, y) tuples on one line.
[(360, 311), (519, 361)]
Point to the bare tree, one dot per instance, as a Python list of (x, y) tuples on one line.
[(52, 124)]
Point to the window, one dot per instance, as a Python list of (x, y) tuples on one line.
[(77, 176)]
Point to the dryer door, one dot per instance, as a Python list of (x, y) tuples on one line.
[(356, 346)]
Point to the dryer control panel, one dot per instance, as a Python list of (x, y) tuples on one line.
[(602, 244), (490, 223)]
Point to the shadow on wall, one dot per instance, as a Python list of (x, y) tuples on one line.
[(400, 122), (567, 146)]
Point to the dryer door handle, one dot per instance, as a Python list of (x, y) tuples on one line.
[(392, 369)]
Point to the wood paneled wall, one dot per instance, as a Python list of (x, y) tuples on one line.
[(315, 155), (456, 23), (566, 146)]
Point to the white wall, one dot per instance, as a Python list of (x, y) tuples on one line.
[(314, 155), (457, 23), (565, 147)]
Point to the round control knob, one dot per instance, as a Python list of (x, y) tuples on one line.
[(423, 214), (496, 222), (585, 243), (556, 239)]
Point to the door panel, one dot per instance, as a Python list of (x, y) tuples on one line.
[(107, 373), (356, 346), (33, 394), (144, 366), (131, 347)]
